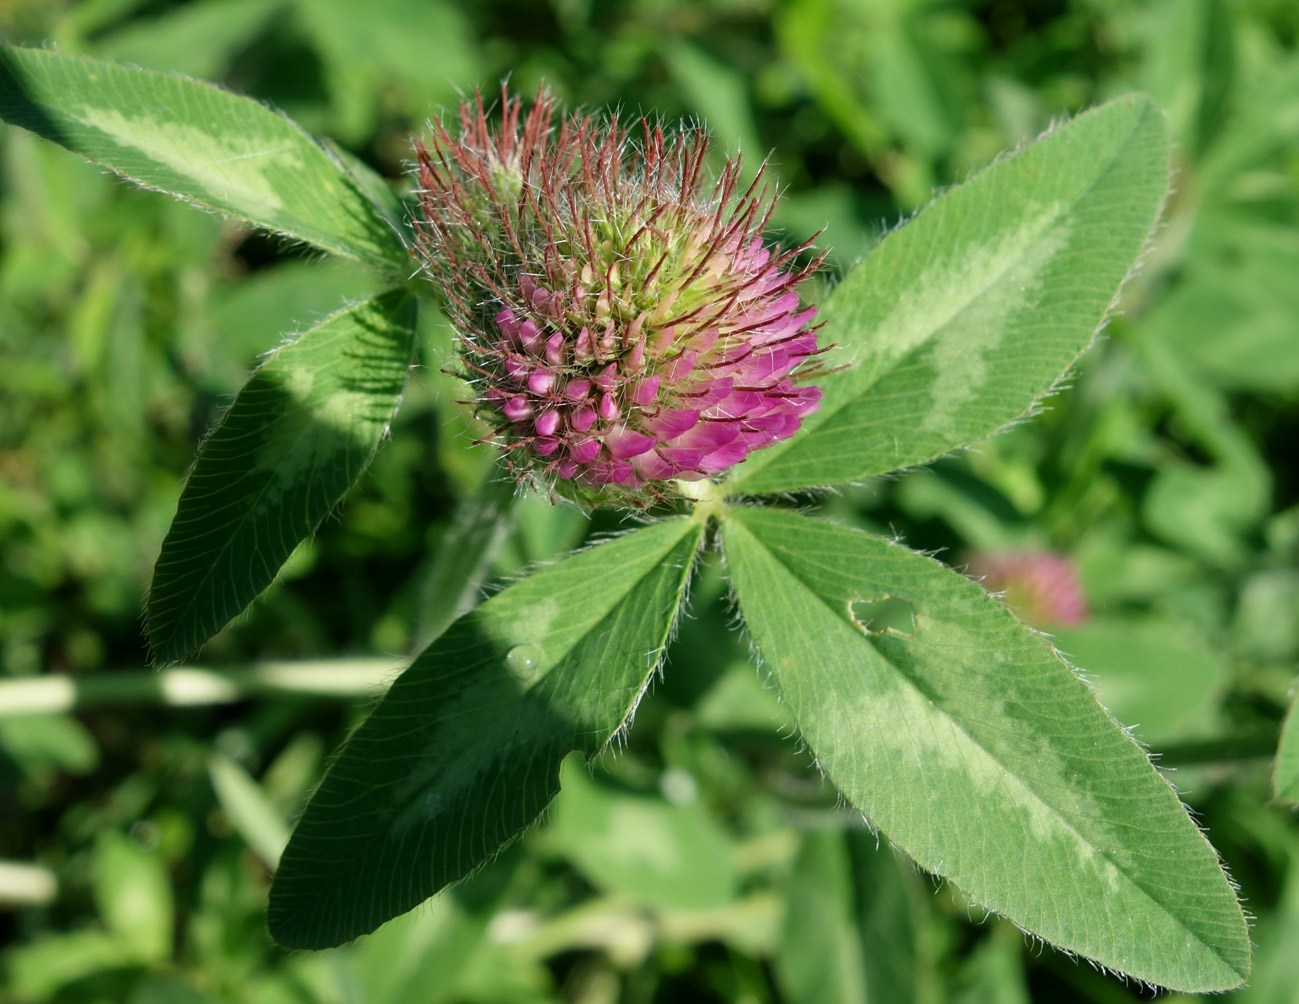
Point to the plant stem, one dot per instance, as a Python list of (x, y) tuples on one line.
[(188, 685), (23, 884)]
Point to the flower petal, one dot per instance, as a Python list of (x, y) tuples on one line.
[(670, 424), (625, 443)]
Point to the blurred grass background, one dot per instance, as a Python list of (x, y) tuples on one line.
[(706, 862)]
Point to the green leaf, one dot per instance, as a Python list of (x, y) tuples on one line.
[(1209, 510), (40, 744), (449, 587), (657, 852), (994, 972), (298, 436), (1233, 314), (849, 936), (133, 893), (1189, 66), (421, 956), (200, 143), (36, 971), (199, 39), (959, 322), (1266, 623), (251, 813), (238, 315), (464, 751), (167, 989), (389, 57), (975, 749), (1159, 675), (1285, 780), (375, 187), (719, 95)]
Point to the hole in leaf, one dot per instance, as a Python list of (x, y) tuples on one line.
[(889, 613)]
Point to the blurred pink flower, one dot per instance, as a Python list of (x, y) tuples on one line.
[(1041, 586), (619, 318)]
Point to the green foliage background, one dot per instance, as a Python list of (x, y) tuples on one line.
[(708, 861)]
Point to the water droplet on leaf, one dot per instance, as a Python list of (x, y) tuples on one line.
[(524, 662)]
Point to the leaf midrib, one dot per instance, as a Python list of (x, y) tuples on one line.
[(1020, 783), (303, 229), (419, 792), (921, 345)]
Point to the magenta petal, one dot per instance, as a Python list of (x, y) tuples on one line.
[(807, 400), (670, 424), (597, 473), (724, 457), (679, 368), (555, 349), (737, 404), (584, 451), (507, 322), (790, 427), (518, 367), (547, 423), (566, 469), (583, 417), (651, 467), (802, 346), (625, 443), (704, 395), (576, 390), (707, 436), (802, 318), (645, 391), (607, 408), (683, 457), (786, 303), (773, 421), (766, 365), (545, 446), (611, 472), (516, 409), (622, 473), (541, 381), (584, 347), (529, 334), (607, 377)]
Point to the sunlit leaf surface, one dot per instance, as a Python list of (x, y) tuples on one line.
[(957, 323), (201, 143), (974, 748)]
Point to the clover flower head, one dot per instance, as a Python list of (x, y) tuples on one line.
[(1041, 586), (618, 315)]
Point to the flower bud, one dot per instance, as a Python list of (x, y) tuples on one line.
[(618, 316)]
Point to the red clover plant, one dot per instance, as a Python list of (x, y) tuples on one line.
[(631, 340)]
